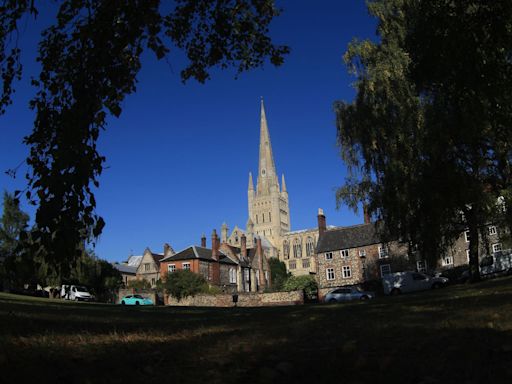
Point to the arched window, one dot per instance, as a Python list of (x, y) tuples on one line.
[(286, 249), (297, 248), (263, 217), (310, 246), (269, 217)]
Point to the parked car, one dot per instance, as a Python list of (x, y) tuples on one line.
[(497, 264), (339, 295), (136, 300), (76, 293), (408, 281)]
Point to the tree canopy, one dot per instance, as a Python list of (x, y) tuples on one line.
[(13, 223), (90, 58), (427, 137)]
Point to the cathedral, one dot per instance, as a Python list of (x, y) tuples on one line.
[(269, 215)]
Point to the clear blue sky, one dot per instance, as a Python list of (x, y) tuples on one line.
[(178, 158)]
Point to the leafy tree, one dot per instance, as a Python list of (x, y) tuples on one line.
[(139, 284), (13, 224), (278, 273), (427, 137), (306, 283), (183, 283), (90, 58)]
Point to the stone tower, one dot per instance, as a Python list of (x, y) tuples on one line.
[(268, 204)]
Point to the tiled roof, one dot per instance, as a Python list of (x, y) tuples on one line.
[(157, 257), (134, 261), (348, 237), (124, 268), (195, 252)]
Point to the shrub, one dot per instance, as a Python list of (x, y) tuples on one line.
[(307, 283), (183, 283), (139, 284), (278, 274)]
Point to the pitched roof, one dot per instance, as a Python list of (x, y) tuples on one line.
[(348, 237), (157, 257), (195, 252), (124, 268), (134, 261)]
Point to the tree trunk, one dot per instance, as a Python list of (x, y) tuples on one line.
[(474, 270)]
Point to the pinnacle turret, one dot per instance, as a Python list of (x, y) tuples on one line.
[(251, 184)]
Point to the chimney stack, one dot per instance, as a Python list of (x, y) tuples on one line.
[(322, 224), (215, 246), (261, 273), (243, 246), (167, 250), (203, 241), (367, 216)]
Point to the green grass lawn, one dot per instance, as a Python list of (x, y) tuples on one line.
[(460, 334)]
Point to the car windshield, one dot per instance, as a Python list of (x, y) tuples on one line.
[(138, 296), (81, 289), (359, 289)]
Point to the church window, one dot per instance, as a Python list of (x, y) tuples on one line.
[(286, 249), (310, 246), (263, 217), (269, 217), (297, 249), (256, 219), (293, 264)]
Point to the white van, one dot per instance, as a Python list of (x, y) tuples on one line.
[(76, 293), (409, 281)]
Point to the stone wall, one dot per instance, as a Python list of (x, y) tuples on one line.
[(251, 299)]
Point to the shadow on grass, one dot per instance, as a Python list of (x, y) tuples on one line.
[(459, 335)]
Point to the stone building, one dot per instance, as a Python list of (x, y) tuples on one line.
[(143, 267), (353, 254)]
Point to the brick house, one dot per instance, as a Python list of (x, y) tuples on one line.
[(231, 268)]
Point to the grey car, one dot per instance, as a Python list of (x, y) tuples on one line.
[(348, 294)]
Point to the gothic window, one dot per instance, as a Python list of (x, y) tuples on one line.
[(286, 250), (310, 246), (263, 214), (297, 249), (256, 219), (269, 217)]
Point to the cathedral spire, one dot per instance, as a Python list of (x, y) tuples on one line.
[(283, 184), (267, 176)]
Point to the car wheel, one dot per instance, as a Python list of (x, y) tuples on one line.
[(509, 272), (395, 291), (332, 301), (76, 298), (123, 303), (137, 303), (364, 298), (436, 286)]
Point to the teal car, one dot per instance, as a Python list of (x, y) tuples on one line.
[(135, 300)]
